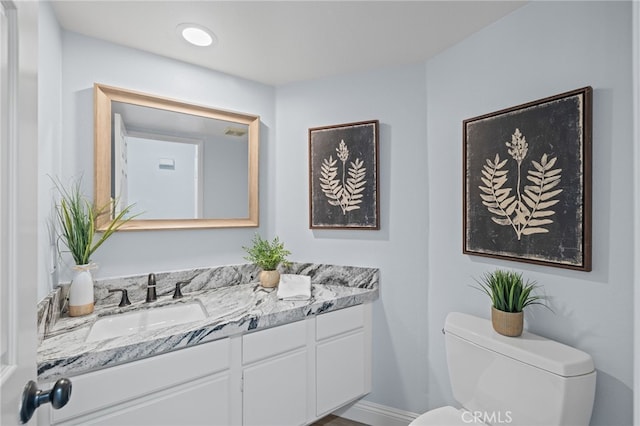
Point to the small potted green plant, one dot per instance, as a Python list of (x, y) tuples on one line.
[(509, 295), (77, 229), (267, 256)]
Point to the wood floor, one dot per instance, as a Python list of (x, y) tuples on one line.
[(332, 420)]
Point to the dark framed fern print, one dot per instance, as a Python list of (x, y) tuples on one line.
[(527, 182), (343, 176)]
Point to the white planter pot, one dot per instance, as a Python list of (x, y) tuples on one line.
[(81, 291)]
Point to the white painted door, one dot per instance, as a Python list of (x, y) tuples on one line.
[(18, 203)]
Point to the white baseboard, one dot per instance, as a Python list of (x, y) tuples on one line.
[(373, 414)]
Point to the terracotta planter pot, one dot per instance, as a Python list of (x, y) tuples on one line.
[(507, 323), (269, 279)]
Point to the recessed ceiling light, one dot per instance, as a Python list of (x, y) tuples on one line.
[(197, 34)]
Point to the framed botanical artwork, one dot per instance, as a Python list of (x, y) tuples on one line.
[(343, 176), (527, 182)]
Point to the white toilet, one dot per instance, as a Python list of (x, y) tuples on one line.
[(499, 380)]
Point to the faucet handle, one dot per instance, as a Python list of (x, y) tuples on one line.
[(125, 297), (177, 294), (151, 288)]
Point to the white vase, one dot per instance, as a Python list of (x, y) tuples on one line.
[(81, 291)]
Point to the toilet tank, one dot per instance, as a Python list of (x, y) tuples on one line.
[(526, 380)]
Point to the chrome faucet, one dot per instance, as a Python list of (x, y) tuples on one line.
[(151, 288)]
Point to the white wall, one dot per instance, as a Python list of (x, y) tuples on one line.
[(542, 49), (87, 61)]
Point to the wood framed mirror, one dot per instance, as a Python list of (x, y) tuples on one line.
[(181, 165)]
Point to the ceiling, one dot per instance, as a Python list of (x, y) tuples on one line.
[(280, 42)]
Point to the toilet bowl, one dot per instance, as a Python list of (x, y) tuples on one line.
[(448, 416), (527, 380)]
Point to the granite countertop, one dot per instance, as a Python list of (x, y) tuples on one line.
[(231, 310)]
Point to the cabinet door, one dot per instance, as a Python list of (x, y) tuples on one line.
[(275, 391), (340, 371)]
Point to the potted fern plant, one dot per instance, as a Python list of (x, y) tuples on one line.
[(267, 256), (509, 295), (77, 229)]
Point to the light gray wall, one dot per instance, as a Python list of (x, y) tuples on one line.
[(636, 115), (159, 193), (542, 49), (49, 133), (226, 185), (396, 97), (87, 61)]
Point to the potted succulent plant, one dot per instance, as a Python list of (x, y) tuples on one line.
[(77, 229), (267, 256), (509, 295)]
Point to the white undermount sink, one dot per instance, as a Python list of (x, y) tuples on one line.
[(153, 318)]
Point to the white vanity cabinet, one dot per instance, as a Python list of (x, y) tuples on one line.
[(287, 375), (180, 387)]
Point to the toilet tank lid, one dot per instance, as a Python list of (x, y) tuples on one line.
[(529, 348)]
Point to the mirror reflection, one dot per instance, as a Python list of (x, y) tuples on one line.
[(181, 165), (178, 166)]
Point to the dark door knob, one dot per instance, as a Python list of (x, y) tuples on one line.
[(32, 397)]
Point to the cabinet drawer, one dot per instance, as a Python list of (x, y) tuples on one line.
[(337, 322), (272, 341), (185, 405), (104, 388)]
